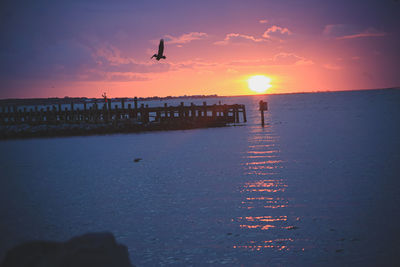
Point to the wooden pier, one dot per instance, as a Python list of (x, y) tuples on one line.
[(115, 116)]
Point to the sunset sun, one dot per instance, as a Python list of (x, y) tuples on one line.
[(259, 83)]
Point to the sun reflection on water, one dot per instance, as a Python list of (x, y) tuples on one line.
[(265, 186), (267, 202), (278, 244), (261, 157), (264, 200), (263, 162)]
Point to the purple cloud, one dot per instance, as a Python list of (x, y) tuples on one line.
[(370, 32), (344, 31)]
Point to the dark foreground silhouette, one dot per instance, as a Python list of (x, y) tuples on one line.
[(93, 249), (160, 55)]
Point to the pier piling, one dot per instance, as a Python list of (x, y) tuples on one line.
[(263, 107)]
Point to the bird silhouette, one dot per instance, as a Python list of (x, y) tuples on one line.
[(160, 51)]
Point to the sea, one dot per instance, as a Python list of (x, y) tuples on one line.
[(317, 185)]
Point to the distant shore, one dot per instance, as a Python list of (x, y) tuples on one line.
[(77, 100)]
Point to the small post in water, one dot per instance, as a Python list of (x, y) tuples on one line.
[(263, 106)]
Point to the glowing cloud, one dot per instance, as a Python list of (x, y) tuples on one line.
[(276, 30), (186, 38), (332, 67), (238, 37), (291, 59)]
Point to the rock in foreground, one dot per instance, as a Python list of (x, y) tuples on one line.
[(93, 249)]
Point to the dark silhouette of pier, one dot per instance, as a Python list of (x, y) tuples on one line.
[(113, 116)]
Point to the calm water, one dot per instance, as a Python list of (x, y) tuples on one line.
[(318, 185)]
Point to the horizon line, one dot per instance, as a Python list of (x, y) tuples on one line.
[(213, 95)]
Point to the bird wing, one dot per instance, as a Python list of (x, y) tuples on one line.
[(161, 47)]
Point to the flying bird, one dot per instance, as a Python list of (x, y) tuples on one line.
[(160, 51)]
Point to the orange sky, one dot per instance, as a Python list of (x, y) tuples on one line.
[(85, 49)]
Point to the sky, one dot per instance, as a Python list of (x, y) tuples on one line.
[(84, 48)]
